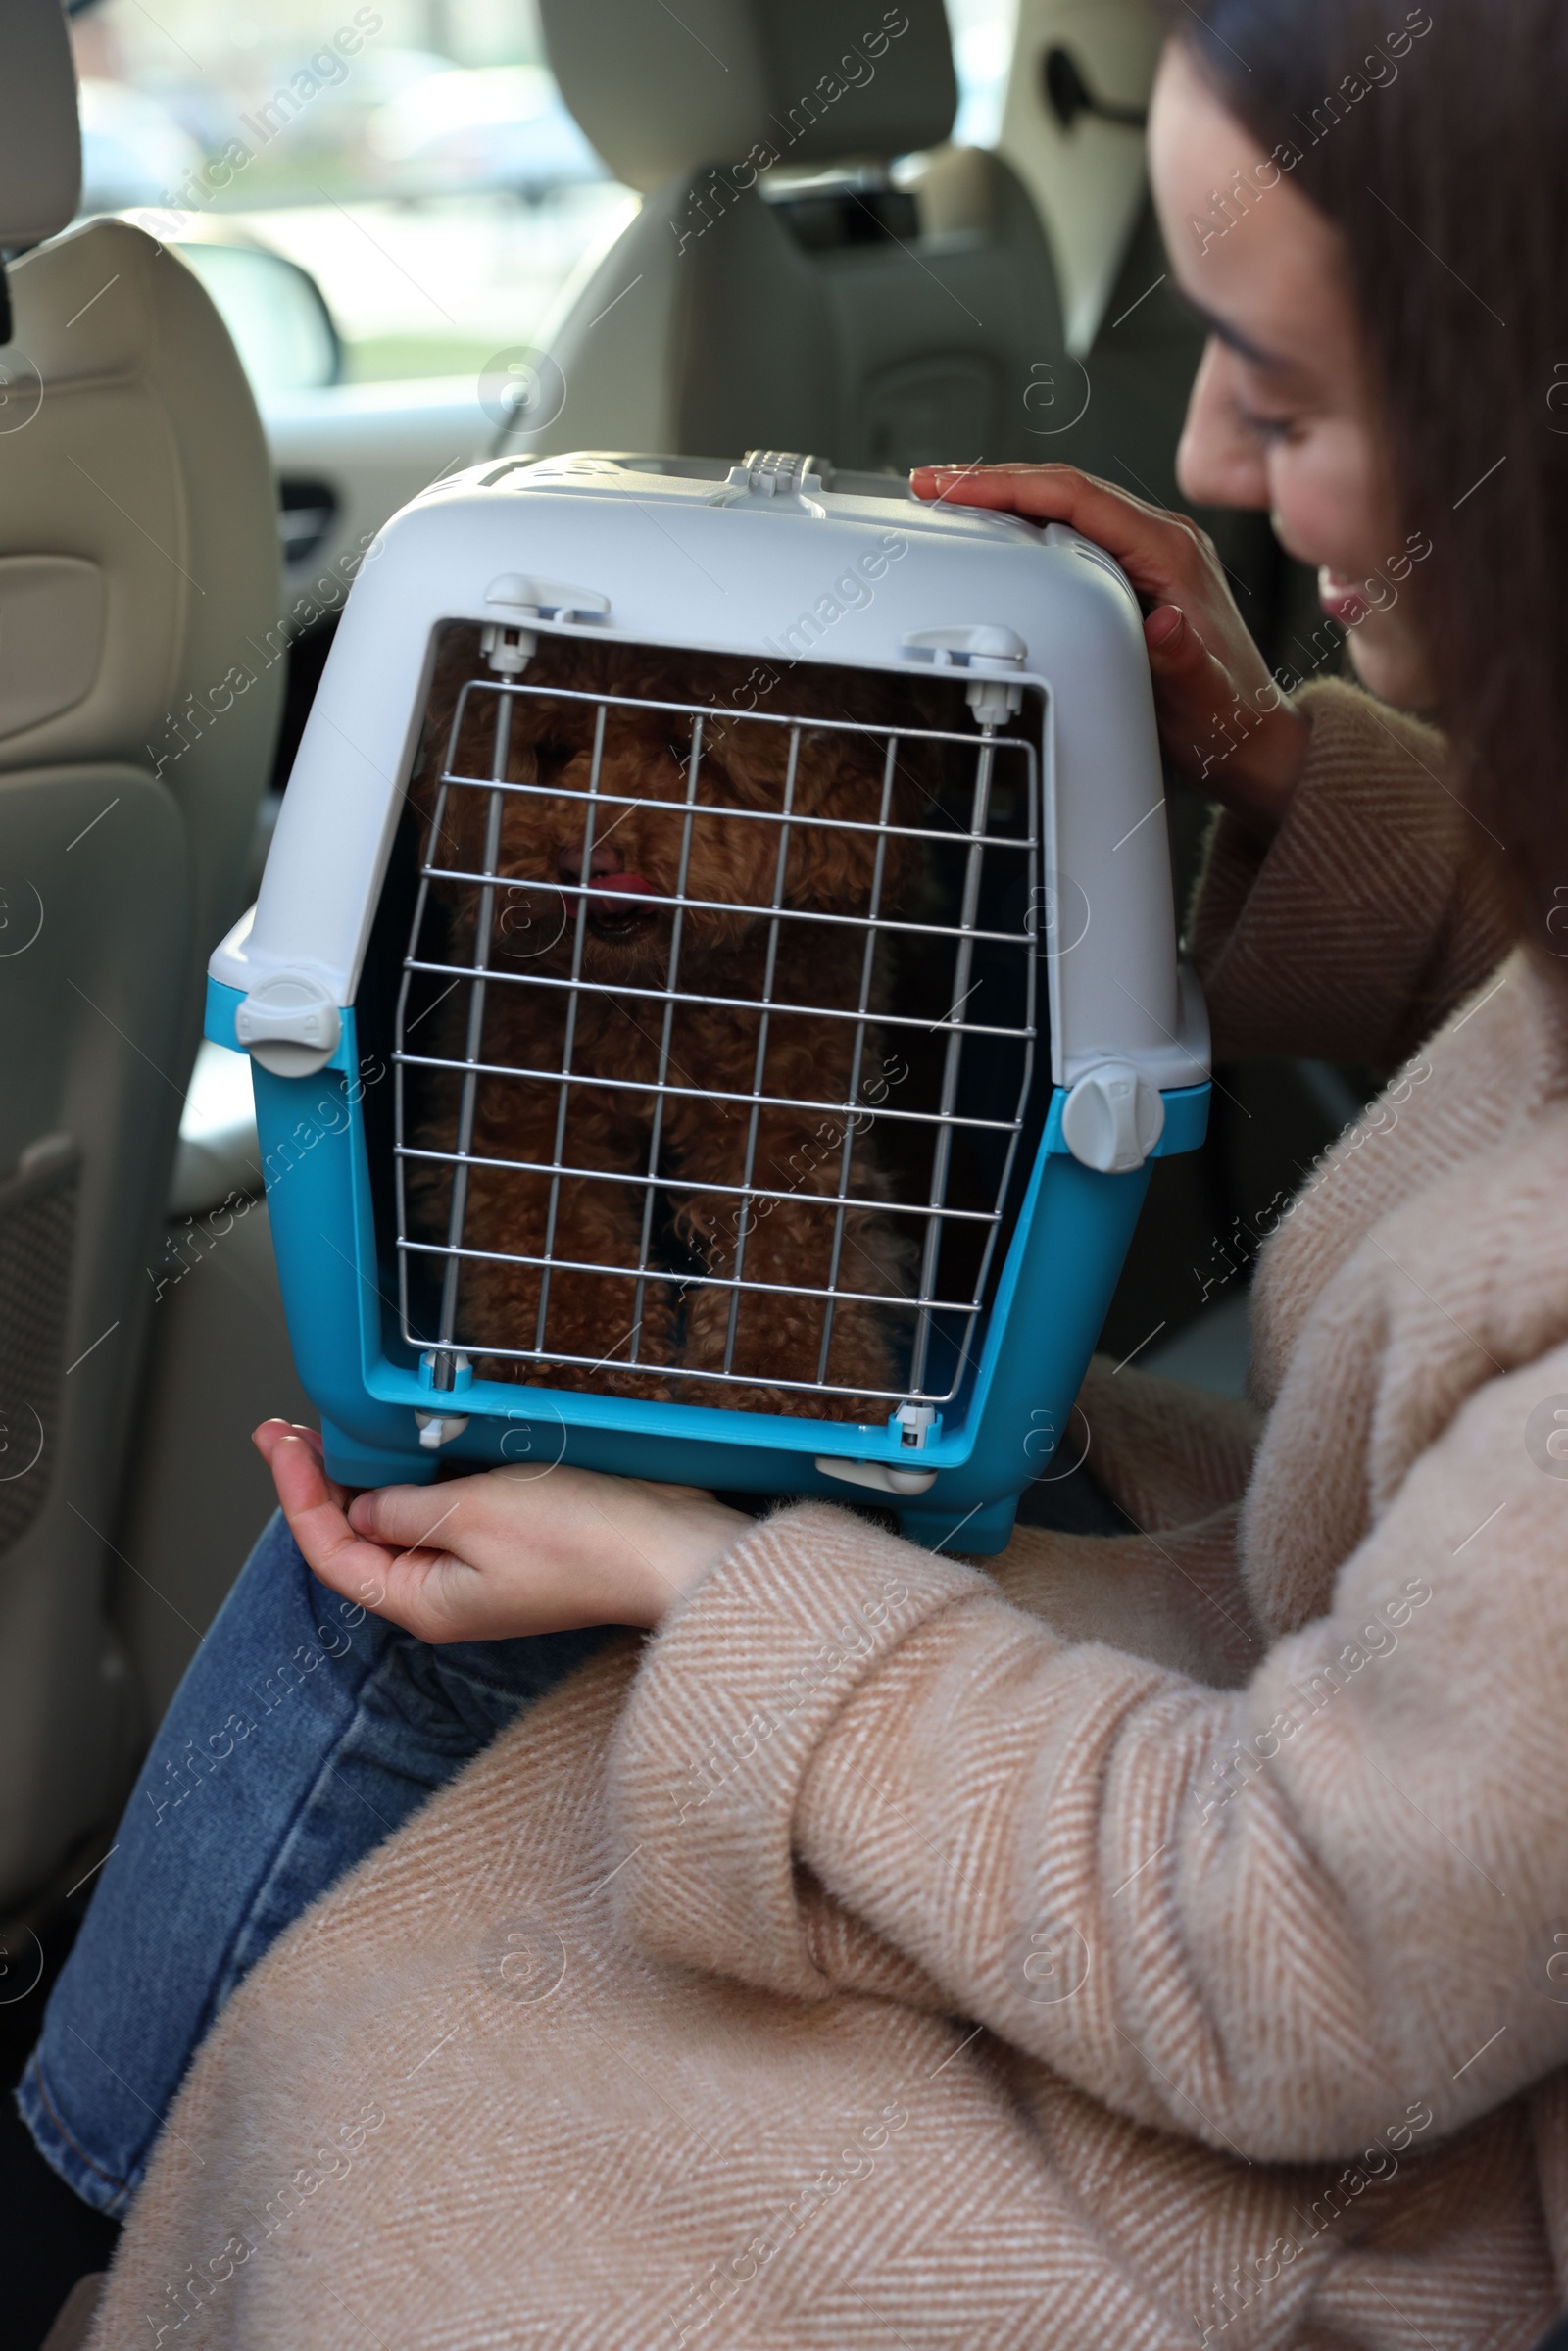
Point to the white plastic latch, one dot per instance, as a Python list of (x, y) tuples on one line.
[(508, 648), (437, 1428), (883, 1476), (918, 1425), (986, 648), (290, 1025), (965, 648), (1113, 1118)]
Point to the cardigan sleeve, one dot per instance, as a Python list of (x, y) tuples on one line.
[(1374, 910), (1277, 1919)]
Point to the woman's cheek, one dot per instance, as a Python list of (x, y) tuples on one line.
[(1316, 514), (1330, 497)]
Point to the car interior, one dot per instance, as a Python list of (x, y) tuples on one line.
[(268, 277)]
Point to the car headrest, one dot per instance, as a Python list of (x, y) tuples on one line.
[(805, 81), (40, 138)]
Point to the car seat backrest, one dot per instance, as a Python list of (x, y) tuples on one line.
[(1085, 170), (877, 324), (871, 320), (140, 681), (659, 93), (40, 143), (139, 551)]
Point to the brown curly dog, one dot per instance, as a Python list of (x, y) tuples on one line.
[(659, 1132)]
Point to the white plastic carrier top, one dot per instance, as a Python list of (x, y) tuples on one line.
[(781, 560)]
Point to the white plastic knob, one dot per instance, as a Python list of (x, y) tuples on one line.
[(1113, 1118), (290, 1024)]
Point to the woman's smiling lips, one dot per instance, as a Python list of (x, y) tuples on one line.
[(1340, 598)]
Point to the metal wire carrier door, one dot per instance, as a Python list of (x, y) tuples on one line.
[(738, 1127)]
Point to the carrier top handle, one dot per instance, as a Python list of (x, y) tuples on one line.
[(780, 474)]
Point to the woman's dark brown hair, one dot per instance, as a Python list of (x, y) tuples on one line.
[(1436, 142)]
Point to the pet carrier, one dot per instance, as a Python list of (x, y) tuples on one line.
[(714, 999)]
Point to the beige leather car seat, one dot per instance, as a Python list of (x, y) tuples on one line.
[(138, 559), (877, 326), (1085, 166), (1137, 341)]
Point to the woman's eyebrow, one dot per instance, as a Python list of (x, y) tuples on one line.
[(1234, 339)]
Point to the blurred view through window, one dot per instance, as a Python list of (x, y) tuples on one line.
[(414, 156)]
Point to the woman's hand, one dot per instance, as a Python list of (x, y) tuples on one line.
[(1223, 721), (501, 1553)]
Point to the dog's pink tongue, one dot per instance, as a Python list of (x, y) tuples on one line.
[(609, 886)]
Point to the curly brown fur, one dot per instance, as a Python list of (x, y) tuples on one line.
[(563, 839)]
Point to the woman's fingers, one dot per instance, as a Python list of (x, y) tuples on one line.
[(1189, 682), (310, 1438), (1160, 553), (1223, 722), (1246, 746), (495, 1555), (505, 1554), (410, 1518), (314, 1507)]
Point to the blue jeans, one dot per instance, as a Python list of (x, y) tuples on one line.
[(304, 1733)]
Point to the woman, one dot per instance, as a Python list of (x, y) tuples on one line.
[(1156, 1943)]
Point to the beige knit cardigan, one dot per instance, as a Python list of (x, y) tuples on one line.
[(1135, 1943)]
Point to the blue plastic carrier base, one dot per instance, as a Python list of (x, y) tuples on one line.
[(1065, 1255), (526, 617)]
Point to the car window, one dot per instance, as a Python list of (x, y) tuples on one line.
[(414, 156), (417, 159), (982, 34)]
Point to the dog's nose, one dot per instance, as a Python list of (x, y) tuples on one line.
[(606, 859)]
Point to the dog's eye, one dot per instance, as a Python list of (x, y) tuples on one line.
[(680, 750), (550, 752)]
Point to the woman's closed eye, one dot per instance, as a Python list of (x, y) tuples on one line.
[(1270, 431)]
